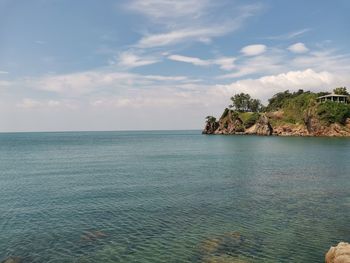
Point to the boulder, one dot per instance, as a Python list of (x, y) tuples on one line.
[(339, 253)]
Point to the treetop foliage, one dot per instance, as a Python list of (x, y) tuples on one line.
[(341, 91), (242, 102)]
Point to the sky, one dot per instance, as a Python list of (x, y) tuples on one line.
[(159, 64)]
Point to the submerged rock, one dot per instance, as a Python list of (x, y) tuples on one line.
[(93, 235), (225, 248), (339, 253), (12, 260), (225, 259)]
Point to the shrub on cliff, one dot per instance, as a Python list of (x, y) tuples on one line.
[(331, 112), (294, 108)]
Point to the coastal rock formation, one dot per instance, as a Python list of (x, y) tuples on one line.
[(270, 124), (339, 253), (210, 127), (316, 128), (301, 113), (229, 123), (291, 130), (261, 127)]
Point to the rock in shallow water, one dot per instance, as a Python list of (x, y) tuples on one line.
[(12, 260), (339, 254)]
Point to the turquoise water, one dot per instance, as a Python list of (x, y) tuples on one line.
[(171, 197)]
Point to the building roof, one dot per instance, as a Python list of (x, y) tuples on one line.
[(333, 95)]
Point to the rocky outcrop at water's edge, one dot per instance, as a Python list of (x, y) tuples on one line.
[(339, 253), (269, 123)]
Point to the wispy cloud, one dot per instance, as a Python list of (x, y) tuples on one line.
[(40, 42), (4, 72), (199, 34), (192, 60), (290, 35), (189, 21), (129, 59), (225, 63)]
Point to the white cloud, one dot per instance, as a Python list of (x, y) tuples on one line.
[(165, 78), (4, 72), (271, 63), (77, 84), (225, 63), (130, 60), (298, 48), (278, 60), (192, 60), (266, 86), (323, 60), (253, 50), (28, 103)]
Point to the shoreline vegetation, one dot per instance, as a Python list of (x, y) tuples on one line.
[(300, 113)]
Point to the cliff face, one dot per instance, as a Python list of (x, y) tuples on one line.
[(270, 123)]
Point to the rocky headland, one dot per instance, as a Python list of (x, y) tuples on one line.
[(287, 114)]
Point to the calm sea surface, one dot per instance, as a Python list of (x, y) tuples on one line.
[(171, 197)]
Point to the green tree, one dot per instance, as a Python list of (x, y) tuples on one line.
[(277, 101), (255, 105), (341, 91), (242, 102)]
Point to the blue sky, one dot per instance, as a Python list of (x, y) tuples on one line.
[(159, 64)]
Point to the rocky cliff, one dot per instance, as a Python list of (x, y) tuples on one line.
[(272, 123)]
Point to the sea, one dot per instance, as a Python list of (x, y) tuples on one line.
[(171, 196)]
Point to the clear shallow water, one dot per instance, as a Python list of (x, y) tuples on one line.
[(171, 197)]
